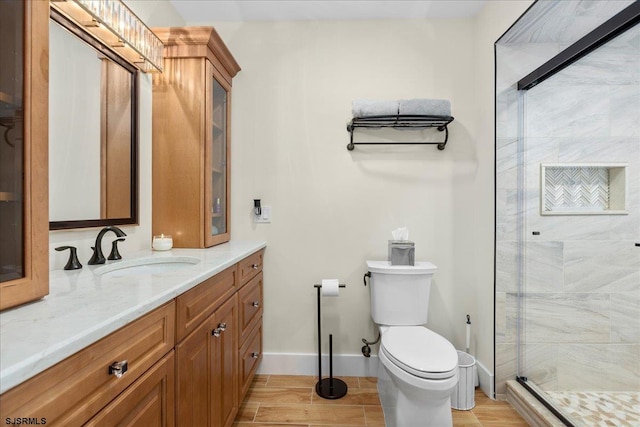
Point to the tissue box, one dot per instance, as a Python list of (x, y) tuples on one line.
[(401, 252)]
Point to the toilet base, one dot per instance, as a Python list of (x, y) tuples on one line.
[(406, 406)]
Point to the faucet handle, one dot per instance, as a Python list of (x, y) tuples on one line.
[(72, 263), (115, 254)]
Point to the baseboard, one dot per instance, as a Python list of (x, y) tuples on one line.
[(350, 365), (486, 380)]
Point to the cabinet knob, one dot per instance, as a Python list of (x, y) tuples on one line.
[(255, 304), (118, 368), (255, 266), (255, 355), (220, 329)]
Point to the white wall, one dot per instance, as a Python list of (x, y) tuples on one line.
[(334, 209)]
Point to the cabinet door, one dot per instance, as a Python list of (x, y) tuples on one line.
[(147, 402), (206, 369), (194, 372), (225, 385), (217, 158), (24, 216)]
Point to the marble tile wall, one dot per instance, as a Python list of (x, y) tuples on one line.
[(577, 314)]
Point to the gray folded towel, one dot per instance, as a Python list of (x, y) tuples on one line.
[(424, 107), (369, 108)]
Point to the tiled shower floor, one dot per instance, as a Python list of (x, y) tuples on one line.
[(599, 409)]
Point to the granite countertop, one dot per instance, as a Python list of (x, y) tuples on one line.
[(83, 307)]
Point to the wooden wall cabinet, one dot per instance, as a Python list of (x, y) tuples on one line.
[(24, 130), (191, 137)]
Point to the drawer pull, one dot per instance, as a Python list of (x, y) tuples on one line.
[(255, 355), (222, 326), (255, 304), (118, 368), (255, 266)]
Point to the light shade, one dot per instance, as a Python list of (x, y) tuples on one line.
[(114, 24)]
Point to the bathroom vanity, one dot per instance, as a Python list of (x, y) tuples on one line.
[(177, 348)]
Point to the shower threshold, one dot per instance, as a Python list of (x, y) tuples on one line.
[(584, 408)]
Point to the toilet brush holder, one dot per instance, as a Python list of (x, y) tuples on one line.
[(328, 388)]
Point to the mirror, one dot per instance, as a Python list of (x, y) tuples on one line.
[(92, 131)]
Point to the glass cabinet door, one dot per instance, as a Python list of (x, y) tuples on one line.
[(11, 140), (217, 160), (24, 230)]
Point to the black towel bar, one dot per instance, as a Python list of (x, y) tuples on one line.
[(400, 122)]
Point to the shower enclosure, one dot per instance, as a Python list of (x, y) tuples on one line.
[(568, 210)]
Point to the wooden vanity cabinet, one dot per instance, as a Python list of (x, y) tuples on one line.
[(78, 388), (197, 379), (24, 130), (191, 138)]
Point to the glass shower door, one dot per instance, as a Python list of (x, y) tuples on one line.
[(579, 299)]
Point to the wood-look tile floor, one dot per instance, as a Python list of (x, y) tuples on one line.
[(291, 401)]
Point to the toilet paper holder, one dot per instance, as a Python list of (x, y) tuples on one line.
[(328, 388)]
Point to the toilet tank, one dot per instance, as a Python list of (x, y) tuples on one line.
[(400, 293)]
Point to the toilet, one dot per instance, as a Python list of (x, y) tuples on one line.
[(418, 368)]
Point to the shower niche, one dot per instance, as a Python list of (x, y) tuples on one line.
[(582, 189)]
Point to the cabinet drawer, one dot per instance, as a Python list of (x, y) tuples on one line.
[(250, 297), (250, 266), (148, 402), (195, 305), (250, 356), (74, 390)]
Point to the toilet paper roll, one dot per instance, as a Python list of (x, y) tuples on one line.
[(330, 287)]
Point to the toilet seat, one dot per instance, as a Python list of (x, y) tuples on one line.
[(420, 352)]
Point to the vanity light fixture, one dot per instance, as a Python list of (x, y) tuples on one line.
[(114, 24)]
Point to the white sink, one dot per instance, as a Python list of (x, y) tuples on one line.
[(146, 266)]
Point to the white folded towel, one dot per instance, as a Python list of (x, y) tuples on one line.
[(371, 107), (424, 107)]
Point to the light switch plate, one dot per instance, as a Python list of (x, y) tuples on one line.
[(265, 216)]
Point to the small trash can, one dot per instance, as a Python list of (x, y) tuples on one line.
[(463, 396)]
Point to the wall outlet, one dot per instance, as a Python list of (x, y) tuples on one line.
[(265, 216)]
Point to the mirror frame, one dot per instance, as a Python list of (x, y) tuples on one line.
[(104, 50)]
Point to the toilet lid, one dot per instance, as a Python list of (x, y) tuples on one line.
[(420, 351)]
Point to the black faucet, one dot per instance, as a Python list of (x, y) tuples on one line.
[(98, 256)]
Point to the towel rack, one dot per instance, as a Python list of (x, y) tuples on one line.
[(400, 122)]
